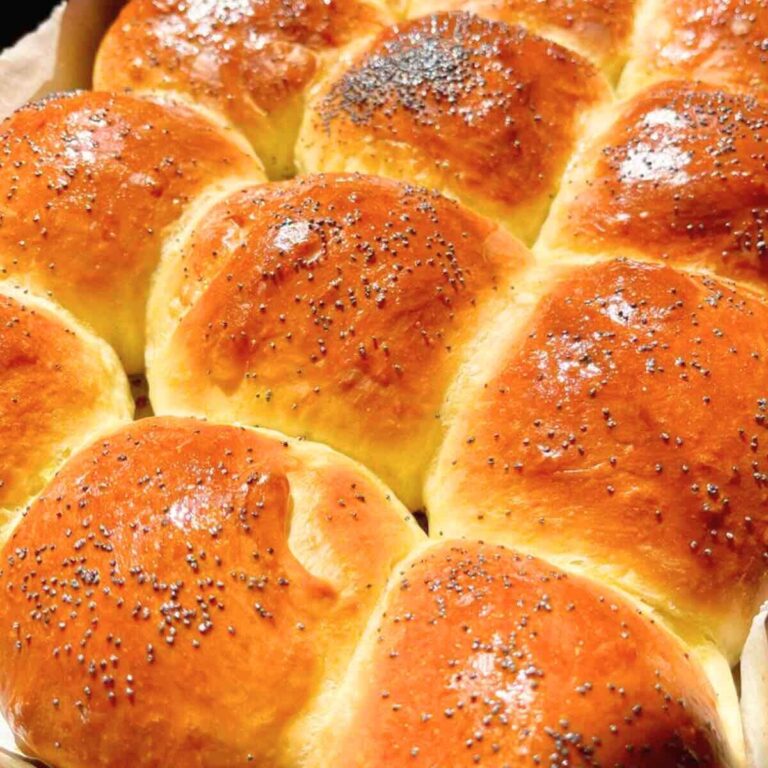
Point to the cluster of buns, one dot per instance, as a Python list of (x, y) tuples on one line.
[(502, 261)]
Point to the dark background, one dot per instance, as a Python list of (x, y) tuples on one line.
[(23, 16)]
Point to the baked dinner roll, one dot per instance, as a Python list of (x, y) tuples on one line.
[(679, 176), (249, 61), (620, 428), (186, 594), (600, 30), (89, 186), (336, 308), (483, 657), (484, 112), (60, 387), (720, 41)]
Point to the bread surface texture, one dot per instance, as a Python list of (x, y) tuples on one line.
[(184, 593), (383, 383)]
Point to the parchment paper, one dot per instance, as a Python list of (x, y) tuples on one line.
[(754, 690), (58, 56)]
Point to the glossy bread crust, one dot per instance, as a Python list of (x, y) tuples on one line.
[(621, 429), (193, 590), (58, 386), (484, 657), (337, 307), (678, 176), (485, 112), (183, 593), (248, 60), (599, 30), (89, 184), (718, 41)]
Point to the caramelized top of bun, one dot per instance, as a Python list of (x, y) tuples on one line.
[(720, 41), (680, 176), (485, 112), (598, 29), (336, 307), (483, 657), (89, 184), (621, 428), (185, 594), (59, 387), (249, 60)]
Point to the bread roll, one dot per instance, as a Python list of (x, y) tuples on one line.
[(187, 594), (249, 61), (482, 656), (192, 590), (484, 112), (618, 427), (599, 30), (678, 175), (337, 308), (719, 41), (60, 387), (89, 186)]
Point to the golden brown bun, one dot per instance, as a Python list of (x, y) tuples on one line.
[(185, 594), (620, 427), (60, 387), (679, 175), (484, 112), (338, 308), (483, 657), (720, 41), (249, 61), (599, 30), (89, 185)]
